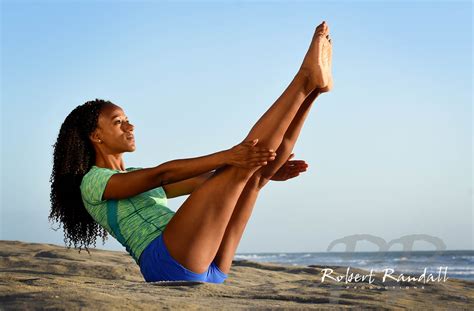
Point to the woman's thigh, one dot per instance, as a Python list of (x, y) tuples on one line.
[(195, 232)]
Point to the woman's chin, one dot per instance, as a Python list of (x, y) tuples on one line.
[(131, 148)]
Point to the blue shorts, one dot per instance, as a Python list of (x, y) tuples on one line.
[(156, 264)]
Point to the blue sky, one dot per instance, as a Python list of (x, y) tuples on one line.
[(389, 149)]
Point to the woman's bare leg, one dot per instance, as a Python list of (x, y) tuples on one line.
[(260, 178), (320, 49), (248, 197), (243, 209), (195, 233)]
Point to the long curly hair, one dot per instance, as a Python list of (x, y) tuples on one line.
[(74, 155)]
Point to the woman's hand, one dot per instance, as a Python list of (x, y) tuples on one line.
[(290, 169), (248, 155)]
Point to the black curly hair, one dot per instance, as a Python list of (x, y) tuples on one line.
[(73, 156)]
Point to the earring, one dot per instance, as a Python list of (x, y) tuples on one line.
[(100, 141)]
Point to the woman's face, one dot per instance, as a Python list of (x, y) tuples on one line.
[(114, 131)]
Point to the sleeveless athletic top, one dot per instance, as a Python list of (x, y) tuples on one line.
[(136, 221)]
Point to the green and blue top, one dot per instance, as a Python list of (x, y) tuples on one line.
[(136, 221)]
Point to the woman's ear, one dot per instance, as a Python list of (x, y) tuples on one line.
[(95, 137)]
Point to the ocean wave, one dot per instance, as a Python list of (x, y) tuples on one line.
[(459, 265), (461, 273)]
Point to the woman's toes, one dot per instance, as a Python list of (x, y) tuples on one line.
[(321, 27), (326, 29)]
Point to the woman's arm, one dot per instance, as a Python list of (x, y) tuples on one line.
[(186, 186), (245, 154)]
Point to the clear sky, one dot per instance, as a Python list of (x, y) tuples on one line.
[(389, 149)]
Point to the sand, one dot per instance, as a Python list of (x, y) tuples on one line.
[(47, 276)]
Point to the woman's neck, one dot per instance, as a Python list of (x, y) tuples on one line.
[(112, 161)]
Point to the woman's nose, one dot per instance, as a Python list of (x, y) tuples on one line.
[(129, 126)]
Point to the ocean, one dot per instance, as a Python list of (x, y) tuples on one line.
[(460, 263)]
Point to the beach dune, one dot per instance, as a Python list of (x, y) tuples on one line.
[(35, 275)]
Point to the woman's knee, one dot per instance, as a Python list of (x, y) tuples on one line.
[(257, 180), (254, 176), (244, 173)]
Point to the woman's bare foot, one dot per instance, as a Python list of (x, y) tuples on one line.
[(318, 60), (328, 87)]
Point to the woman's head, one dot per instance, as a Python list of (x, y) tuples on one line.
[(113, 133), (74, 155)]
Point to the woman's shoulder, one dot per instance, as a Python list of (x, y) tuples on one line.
[(96, 173), (95, 180), (96, 169)]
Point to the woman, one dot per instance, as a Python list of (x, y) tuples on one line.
[(94, 194)]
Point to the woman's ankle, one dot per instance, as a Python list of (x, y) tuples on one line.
[(304, 78)]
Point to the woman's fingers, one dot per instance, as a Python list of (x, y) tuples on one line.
[(261, 160), (295, 171), (296, 167), (264, 152), (252, 142), (256, 149), (263, 149), (299, 167), (264, 158), (263, 155), (297, 162)]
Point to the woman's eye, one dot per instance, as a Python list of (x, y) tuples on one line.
[(121, 121)]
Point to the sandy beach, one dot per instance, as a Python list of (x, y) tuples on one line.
[(47, 276)]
